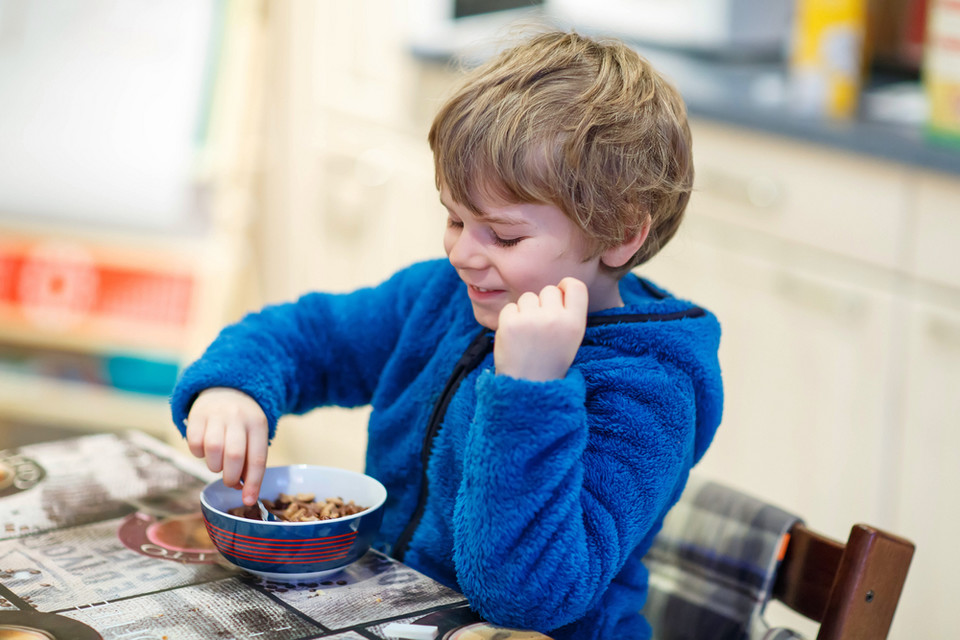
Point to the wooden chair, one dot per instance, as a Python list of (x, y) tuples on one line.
[(722, 556), (851, 589)]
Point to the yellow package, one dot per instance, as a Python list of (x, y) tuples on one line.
[(827, 56), (941, 70)]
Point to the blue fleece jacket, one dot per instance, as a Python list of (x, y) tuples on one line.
[(539, 499)]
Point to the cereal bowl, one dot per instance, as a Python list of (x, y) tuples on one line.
[(292, 551)]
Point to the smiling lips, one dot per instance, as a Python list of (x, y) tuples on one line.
[(479, 293)]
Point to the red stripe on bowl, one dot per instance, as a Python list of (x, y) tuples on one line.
[(285, 560), (289, 551), (210, 525), (293, 544)]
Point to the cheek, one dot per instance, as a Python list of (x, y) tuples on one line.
[(526, 273), (536, 271), (449, 237)]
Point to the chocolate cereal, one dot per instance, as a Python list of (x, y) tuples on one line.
[(302, 507)]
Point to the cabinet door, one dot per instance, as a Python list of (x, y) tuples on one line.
[(805, 370), (801, 192), (935, 257), (927, 497), (379, 209)]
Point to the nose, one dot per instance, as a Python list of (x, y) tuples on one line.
[(464, 250)]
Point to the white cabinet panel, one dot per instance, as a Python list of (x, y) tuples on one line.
[(937, 254), (379, 208), (359, 56), (840, 202), (928, 497), (805, 363)]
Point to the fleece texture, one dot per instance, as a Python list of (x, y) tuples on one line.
[(543, 497)]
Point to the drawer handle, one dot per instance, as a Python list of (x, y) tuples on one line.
[(757, 192), (844, 305)]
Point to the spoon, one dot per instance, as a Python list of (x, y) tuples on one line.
[(265, 513)]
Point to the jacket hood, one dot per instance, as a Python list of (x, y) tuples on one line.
[(673, 331)]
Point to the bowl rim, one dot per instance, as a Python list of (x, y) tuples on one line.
[(285, 523)]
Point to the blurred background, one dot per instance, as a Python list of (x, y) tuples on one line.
[(166, 167)]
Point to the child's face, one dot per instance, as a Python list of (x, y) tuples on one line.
[(515, 248)]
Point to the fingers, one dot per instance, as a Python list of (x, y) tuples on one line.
[(196, 428), (229, 430), (551, 297), (575, 294), (234, 453), (509, 311), (528, 301), (570, 293), (538, 336), (213, 444), (256, 463)]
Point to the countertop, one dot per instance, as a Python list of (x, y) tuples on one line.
[(756, 94)]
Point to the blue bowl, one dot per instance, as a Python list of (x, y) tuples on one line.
[(294, 551)]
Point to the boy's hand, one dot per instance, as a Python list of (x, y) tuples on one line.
[(538, 335), (229, 429)]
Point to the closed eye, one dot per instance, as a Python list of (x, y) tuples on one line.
[(506, 242), (454, 223)]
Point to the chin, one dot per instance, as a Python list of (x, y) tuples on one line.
[(486, 318)]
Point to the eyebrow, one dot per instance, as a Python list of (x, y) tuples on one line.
[(492, 219), (505, 220)]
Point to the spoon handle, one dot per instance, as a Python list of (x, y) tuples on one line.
[(265, 513)]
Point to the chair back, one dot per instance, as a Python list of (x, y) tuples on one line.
[(851, 589), (722, 555)]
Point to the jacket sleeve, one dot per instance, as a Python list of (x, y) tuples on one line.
[(323, 349), (561, 484)]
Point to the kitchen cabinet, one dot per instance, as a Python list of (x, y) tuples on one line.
[(835, 202), (929, 407), (926, 492), (841, 344), (795, 249), (804, 359), (934, 257)]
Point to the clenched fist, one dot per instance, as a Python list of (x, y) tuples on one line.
[(538, 335)]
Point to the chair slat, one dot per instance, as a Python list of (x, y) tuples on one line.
[(806, 575)]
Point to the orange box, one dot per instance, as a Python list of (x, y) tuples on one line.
[(77, 292)]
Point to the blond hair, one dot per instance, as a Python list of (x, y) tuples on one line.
[(586, 125)]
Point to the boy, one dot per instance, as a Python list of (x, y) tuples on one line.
[(536, 407)]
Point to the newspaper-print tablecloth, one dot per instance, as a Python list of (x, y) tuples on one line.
[(101, 537)]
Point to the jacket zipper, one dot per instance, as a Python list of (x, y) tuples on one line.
[(470, 359)]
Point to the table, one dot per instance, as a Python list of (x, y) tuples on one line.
[(101, 537)]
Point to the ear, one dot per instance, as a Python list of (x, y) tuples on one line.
[(618, 256)]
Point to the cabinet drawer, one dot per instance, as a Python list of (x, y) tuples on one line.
[(935, 256), (831, 200)]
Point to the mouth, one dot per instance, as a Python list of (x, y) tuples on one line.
[(482, 293)]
